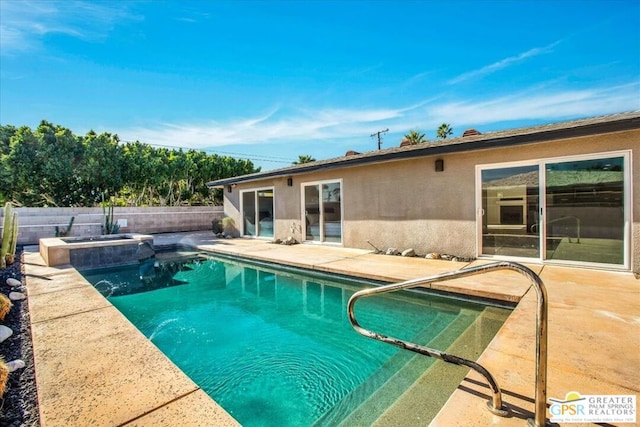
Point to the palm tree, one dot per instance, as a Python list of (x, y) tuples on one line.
[(444, 131), (414, 137), (304, 158)]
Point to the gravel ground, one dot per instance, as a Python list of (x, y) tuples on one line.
[(19, 404)]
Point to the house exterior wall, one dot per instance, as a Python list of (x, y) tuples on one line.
[(407, 204)]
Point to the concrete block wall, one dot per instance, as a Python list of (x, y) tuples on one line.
[(37, 223)]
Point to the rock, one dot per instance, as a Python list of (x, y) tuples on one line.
[(14, 283), (14, 365), (5, 332), (289, 241), (17, 296), (277, 241), (433, 255), (408, 252), (392, 251)]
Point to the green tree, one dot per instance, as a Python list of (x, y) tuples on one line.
[(304, 158), (414, 137), (444, 130), (6, 133), (101, 170), (54, 167), (22, 169), (61, 154)]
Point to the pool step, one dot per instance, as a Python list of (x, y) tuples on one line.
[(381, 376), (380, 390), (421, 402), (385, 396)]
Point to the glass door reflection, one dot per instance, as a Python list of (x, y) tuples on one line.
[(510, 212)]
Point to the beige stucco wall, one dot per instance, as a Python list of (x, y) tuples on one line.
[(407, 204)]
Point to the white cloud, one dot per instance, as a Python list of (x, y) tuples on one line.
[(277, 125), (24, 23), (296, 126), (503, 63), (541, 105)]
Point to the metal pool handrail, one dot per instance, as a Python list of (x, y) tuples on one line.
[(495, 405)]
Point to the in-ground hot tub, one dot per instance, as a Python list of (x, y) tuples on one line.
[(96, 251)]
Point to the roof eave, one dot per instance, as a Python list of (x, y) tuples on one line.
[(461, 144)]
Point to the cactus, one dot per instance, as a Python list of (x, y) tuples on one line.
[(9, 236), (14, 241), (109, 226), (67, 231), (4, 375)]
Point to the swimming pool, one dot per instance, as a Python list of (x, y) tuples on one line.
[(273, 345)]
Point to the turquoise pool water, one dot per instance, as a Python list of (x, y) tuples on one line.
[(274, 347)]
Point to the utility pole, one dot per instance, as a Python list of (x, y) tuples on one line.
[(379, 134)]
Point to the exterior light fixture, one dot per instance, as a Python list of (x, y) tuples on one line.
[(439, 165), (229, 189), (289, 182)]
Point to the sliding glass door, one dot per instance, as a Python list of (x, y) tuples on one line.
[(567, 210), (510, 211), (322, 202), (585, 210), (257, 212)]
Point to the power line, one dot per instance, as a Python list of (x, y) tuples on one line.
[(379, 133), (244, 156)]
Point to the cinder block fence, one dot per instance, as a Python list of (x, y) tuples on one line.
[(37, 223)]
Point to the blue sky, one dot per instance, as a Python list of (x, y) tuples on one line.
[(273, 80)]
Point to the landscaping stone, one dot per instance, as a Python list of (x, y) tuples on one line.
[(433, 255), (14, 283), (14, 365), (409, 252), (5, 333), (20, 399), (392, 251), (289, 241), (17, 296)]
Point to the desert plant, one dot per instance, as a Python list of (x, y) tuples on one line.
[(5, 306), (109, 226), (216, 226), (228, 226), (4, 375), (66, 231), (9, 236)]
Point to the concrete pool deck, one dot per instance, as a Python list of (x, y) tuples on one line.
[(94, 368)]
